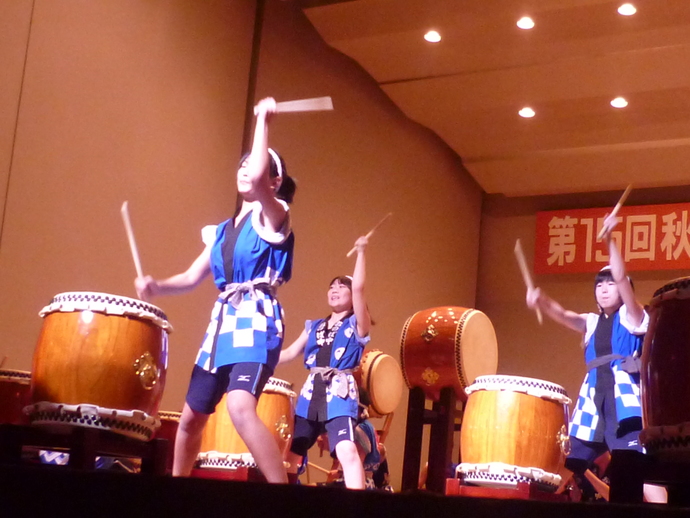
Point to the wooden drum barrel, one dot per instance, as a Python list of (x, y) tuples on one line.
[(380, 376), (664, 385), (447, 347), (168, 431), (221, 445), (14, 396), (514, 430), (100, 362)]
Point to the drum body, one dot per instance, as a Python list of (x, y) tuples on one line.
[(447, 347), (380, 376), (14, 396), (514, 430), (100, 361), (221, 445), (664, 386)]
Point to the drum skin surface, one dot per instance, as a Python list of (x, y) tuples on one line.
[(14, 396), (94, 361), (447, 346), (664, 386), (512, 428), (380, 375), (276, 410)]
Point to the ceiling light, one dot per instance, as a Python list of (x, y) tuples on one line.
[(527, 112), (619, 102), (432, 37), (525, 22), (627, 10)]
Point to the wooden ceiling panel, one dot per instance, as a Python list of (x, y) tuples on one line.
[(581, 54)]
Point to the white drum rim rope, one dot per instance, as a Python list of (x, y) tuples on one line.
[(108, 304), (135, 424), (530, 386), (499, 474)]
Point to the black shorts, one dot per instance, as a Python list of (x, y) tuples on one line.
[(307, 431), (206, 389)]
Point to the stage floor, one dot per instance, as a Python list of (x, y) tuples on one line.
[(29, 491)]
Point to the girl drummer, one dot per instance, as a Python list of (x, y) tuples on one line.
[(607, 415), (329, 398), (249, 255)]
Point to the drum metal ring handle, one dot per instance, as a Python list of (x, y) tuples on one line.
[(283, 428), (147, 371), (563, 440)]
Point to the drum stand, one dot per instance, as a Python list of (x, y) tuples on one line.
[(442, 420), (629, 470), (83, 445)]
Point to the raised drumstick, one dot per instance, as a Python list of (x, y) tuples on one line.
[(313, 104), (371, 232), (616, 208), (520, 256), (130, 237)]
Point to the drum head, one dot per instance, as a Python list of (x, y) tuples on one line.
[(477, 354), (385, 383)]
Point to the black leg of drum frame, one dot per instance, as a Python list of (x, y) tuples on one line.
[(10, 444), (441, 440), (413, 439)]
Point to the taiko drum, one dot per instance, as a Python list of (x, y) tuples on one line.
[(665, 371), (14, 396), (514, 429), (447, 346), (221, 445), (170, 421), (100, 361), (379, 374)]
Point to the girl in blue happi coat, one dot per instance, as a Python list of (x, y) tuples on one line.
[(328, 401), (249, 256), (607, 414)]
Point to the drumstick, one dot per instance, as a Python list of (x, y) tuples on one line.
[(371, 232), (519, 254), (616, 208), (132, 242), (3, 362), (319, 468), (314, 104), (602, 487)]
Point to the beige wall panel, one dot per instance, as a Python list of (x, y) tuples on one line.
[(354, 165), (123, 100), (15, 19)]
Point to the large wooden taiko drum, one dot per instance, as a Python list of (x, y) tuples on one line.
[(447, 347), (379, 374), (665, 374), (14, 396), (514, 430), (100, 362), (221, 445)]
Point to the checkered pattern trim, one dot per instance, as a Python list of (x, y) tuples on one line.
[(243, 327)]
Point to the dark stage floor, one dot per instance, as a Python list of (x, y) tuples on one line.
[(59, 491)]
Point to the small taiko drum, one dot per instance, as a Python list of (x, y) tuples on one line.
[(447, 347), (514, 430), (14, 396), (664, 385), (221, 445), (100, 362), (168, 430), (379, 374)]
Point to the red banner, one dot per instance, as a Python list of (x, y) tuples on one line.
[(650, 237)]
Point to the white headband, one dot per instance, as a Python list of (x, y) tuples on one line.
[(276, 159)]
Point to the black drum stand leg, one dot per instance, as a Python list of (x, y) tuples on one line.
[(441, 440), (413, 439)]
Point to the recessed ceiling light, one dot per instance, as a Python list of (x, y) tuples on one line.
[(525, 22), (619, 102), (527, 112), (432, 37), (627, 10)]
